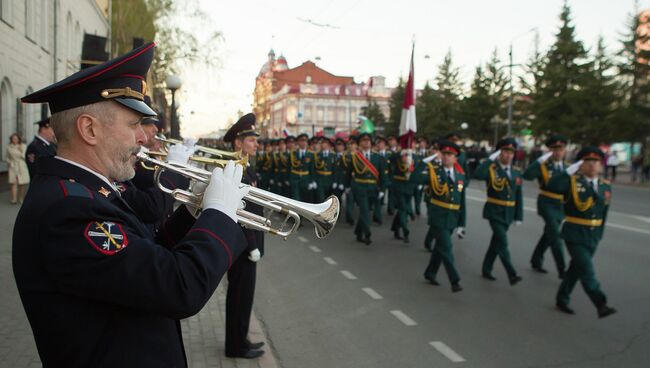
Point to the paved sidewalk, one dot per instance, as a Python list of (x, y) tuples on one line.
[(203, 334)]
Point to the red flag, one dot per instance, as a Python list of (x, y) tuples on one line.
[(408, 124)]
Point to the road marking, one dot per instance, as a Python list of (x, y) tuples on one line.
[(314, 248), (373, 294), (302, 239), (403, 318), (608, 224), (642, 218), (447, 351), (348, 275), (330, 261)]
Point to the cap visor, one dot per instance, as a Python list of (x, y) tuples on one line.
[(136, 105)]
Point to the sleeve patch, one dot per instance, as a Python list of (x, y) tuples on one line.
[(106, 237)]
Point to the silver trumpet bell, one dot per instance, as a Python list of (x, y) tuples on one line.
[(322, 215)]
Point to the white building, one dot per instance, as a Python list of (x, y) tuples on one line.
[(40, 43)]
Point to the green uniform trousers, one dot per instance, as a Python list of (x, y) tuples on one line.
[(498, 247), (550, 239), (364, 198), (442, 254), (581, 268), (400, 220)]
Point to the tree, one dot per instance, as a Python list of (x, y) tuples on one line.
[(448, 90), (633, 115), (396, 103), (426, 110), (130, 19), (561, 84), (477, 109)]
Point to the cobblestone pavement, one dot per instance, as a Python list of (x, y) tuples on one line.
[(203, 334)]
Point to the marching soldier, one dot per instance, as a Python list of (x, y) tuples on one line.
[(339, 170), (504, 205), (42, 146), (274, 178), (393, 154), (435, 158), (549, 205), (421, 153), (325, 169), (291, 145), (97, 287), (586, 204), (349, 195), (242, 274), (381, 143), (367, 175), (266, 168), (402, 189), (282, 161), (302, 170), (446, 212), (456, 138)]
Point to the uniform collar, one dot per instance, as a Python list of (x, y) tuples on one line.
[(47, 143), (68, 169)]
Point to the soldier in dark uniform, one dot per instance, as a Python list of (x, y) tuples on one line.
[(367, 176), (301, 173), (349, 195), (97, 288), (402, 190), (418, 155), (242, 274), (549, 205), (504, 205), (325, 169), (380, 145), (339, 171), (446, 209), (455, 137), (43, 145), (586, 204), (393, 154)]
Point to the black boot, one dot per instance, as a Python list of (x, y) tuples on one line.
[(604, 311), (514, 280), (456, 288), (564, 308)]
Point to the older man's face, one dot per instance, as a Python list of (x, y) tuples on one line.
[(121, 141)]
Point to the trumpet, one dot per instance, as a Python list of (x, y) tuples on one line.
[(198, 159), (322, 215), (227, 155)]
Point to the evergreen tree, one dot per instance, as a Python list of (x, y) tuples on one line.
[(426, 112), (449, 90), (561, 84)]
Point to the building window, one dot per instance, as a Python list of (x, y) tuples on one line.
[(308, 79), (6, 10), (307, 113), (320, 114), (30, 20)]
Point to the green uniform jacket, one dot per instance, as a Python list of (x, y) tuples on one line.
[(402, 181), (445, 198), (505, 199), (301, 169), (585, 210), (548, 203), (358, 176), (325, 169)]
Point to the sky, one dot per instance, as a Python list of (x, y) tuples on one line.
[(362, 38)]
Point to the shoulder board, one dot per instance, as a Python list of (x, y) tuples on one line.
[(71, 188)]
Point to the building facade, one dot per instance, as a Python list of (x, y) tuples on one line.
[(308, 99), (40, 43)]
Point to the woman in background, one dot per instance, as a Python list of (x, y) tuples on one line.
[(18, 174)]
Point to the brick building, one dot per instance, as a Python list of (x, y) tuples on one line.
[(311, 100)]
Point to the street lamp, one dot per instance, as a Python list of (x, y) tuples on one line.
[(173, 83), (510, 65)]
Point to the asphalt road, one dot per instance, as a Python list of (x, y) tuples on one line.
[(338, 303)]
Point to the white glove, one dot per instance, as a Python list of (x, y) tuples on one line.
[(286, 183), (224, 193), (189, 142), (574, 167), (495, 155), (341, 187), (180, 154), (460, 231), (544, 157), (430, 158), (314, 185), (420, 187), (334, 185), (380, 196), (518, 223), (254, 255), (347, 190), (271, 181)]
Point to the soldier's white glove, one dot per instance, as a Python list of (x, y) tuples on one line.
[(544, 157), (518, 223), (254, 255), (430, 158), (334, 185), (460, 231), (494, 156), (223, 192), (420, 187), (271, 181), (286, 183), (347, 190), (574, 167), (314, 185), (341, 187), (380, 196), (180, 154)]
